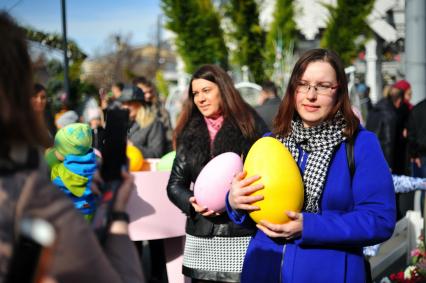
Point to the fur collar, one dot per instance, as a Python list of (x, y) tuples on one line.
[(194, 142)]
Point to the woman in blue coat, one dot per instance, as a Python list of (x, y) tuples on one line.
[(341, 213)]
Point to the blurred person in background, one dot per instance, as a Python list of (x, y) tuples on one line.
[(42, 109), (146, 131), (417, 139), (366, 105), (388, 120), (154, 102), (93, 117), (66, 118), (268, 103), (26, 190), (116, 91)]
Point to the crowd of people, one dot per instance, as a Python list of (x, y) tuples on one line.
[(49, 170)]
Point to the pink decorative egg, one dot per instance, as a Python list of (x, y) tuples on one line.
[(214, 180)]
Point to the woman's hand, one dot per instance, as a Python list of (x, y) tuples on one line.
[(204, 211), (289, 230), (239, 195)]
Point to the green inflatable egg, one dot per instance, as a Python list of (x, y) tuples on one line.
[(166, 162)]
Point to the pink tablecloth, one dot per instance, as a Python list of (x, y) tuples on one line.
[(152, 215)]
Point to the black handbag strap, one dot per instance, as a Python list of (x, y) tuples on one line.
[(350, 153)]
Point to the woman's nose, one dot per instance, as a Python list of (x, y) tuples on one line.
[(201, 97), (311, 94)]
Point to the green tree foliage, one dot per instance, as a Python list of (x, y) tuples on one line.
[(162, 84), (249, 36), (282, 32), (199, 37), (55, 41), (78, 89), (55, 68), (346, 24)]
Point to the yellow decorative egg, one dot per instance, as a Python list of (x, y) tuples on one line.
[(283, 184), (135, 158)]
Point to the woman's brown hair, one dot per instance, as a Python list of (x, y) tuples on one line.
[(287, 109), (18, 122), (233, 106)]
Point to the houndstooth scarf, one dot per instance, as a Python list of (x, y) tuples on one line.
[(320, 142)]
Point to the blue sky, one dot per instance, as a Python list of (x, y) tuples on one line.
[(89, 22)]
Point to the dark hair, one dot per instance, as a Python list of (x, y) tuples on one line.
[(286, 111), (270, 87), (140, 80), (18, 122), (395, 94), (144, 81), (37, 88), (233, 106), (119, 85)]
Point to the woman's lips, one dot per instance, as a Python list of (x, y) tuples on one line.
[(310, 108)]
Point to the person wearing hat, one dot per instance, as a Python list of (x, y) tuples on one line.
[(73, 163), (93, 116), (67, 118), (156, 105), (146, 132), (402, 90), (405, 86)]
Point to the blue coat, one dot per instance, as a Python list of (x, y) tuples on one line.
[(74, 176), (353, 215)]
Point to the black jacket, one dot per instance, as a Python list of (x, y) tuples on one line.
[(192, 154), (382, 120), (150, 140), (417, 131), (268, 110)]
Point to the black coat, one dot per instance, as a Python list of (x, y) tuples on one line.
[(382, 120), (417, 131), (150, 140), (192, 154), (268, 110)]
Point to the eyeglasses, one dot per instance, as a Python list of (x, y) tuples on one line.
[(304, 87)]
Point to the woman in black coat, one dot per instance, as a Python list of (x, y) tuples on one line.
[(215, 120)]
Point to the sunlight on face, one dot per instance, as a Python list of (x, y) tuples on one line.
[(207, 97), (313, 107)]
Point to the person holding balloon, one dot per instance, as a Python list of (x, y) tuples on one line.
[(215, 120), (340, 212)]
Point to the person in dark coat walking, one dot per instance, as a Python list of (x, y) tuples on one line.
[(417, 139)]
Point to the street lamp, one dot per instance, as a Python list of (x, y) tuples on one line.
[(65, 50)]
